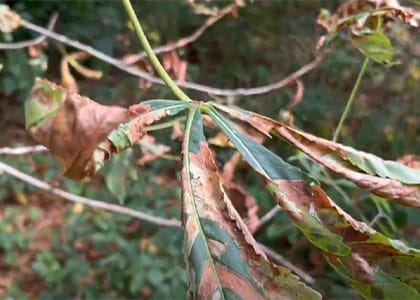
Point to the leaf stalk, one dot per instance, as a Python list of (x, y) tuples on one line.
[(149, 51), (351, 98)]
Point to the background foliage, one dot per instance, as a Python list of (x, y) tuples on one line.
[(52, 249)]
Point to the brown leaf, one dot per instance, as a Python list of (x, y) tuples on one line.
[(151, 150), (243, 202), (410, 160), (174, 65), (75, 129)]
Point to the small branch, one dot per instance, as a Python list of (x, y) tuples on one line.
[(351, 98), (133, 213), (188, 39), (152, 57), (267, 217), (22, 150), (31, 42), (188, 85), (281, 260), (87, 201)]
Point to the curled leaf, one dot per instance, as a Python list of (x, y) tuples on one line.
[(385, 178), (69, 125), (81, 133)]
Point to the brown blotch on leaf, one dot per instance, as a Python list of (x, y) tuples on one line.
[(74, 131)]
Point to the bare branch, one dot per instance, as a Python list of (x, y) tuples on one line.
[(281, 260), (31, 42), (186, 40), (22, 150), (133, 213), (87, 201), (267, 217), (188, 85)]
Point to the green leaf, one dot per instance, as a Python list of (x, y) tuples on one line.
[(117, 173), (376, 46), (223, 259)]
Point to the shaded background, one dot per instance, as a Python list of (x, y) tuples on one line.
[(53, 249)]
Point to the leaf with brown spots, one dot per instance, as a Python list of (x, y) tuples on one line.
[(79, 132), (385, 178), (352, 247), (224, 261)]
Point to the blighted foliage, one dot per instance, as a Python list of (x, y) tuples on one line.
[(82, 133), (222, 256), (389, 179), (352, 247), (223, 259)]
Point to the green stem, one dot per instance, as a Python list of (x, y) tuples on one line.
[(153, 59), (351, 98)]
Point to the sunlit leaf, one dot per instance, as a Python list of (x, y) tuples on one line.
[(352, 247), (389, 179), (224, 261)]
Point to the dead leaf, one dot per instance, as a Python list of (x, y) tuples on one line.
[(70, 126)]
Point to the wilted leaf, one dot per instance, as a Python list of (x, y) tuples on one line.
[(151, 150), (243, 202), (352, 247), (69, 125), (75, 128), (361, 16), (223, 259), (389, 179)]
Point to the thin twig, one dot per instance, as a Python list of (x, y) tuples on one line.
[(134, 213), (87, 201), (22, 150), (188, 85), (281, 260), (31, 42), (188, 39), (267, 217)]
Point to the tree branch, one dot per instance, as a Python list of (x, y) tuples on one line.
[(87, 201), (133, 213), (22, 150), (31, 42), (188, 85), (281, 260), (182, 42), (267, 217)]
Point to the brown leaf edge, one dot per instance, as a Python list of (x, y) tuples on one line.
[(319, 148), (223, 259)]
